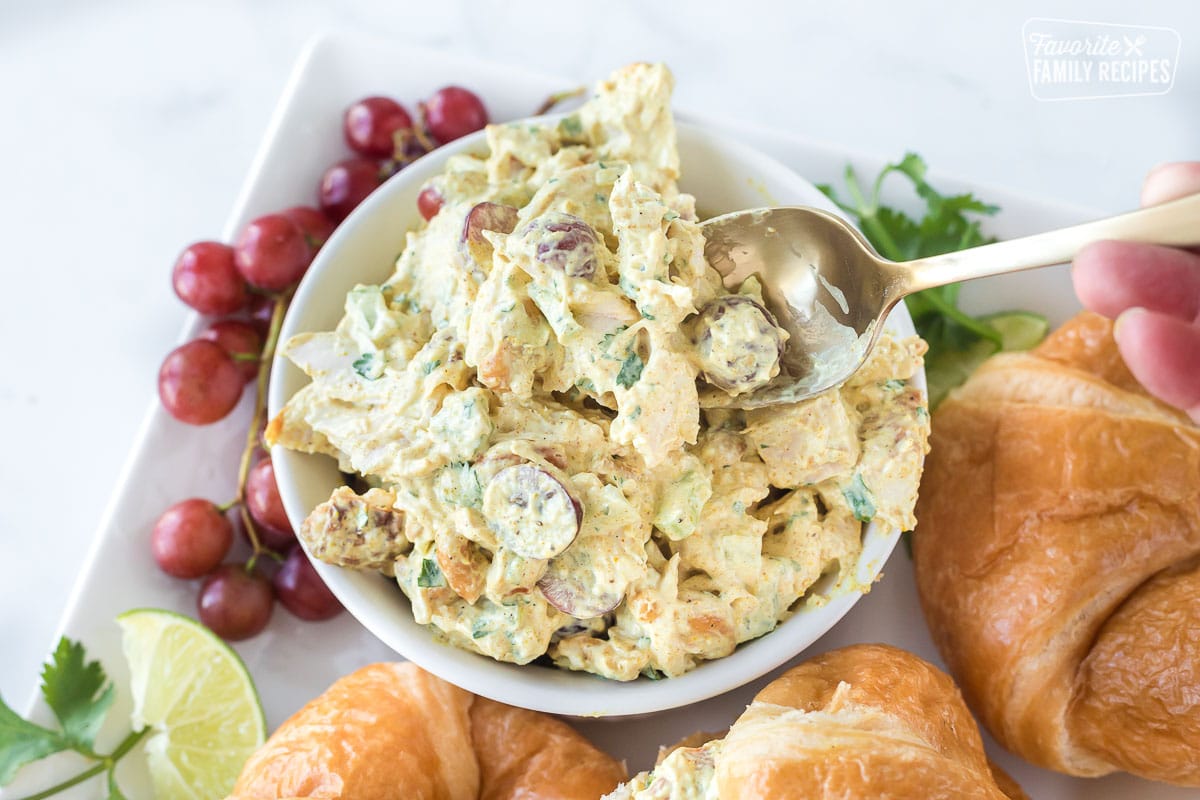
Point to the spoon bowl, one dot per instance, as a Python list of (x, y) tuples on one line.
[(821, 281), (831, 291)]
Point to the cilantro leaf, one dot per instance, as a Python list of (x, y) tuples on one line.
[(862, 502), (431, 575), (23, 742), (571, 127), (369, 366), (80, 695), (631, 370), (459, 485), (77, 691)]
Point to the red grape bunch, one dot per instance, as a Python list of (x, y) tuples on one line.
[(246, 286), (384, 137)]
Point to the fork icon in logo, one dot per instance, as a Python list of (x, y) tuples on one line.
[(1134, 47)]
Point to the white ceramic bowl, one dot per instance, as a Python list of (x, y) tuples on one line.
[(724, 176)]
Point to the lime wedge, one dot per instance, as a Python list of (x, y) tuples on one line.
[(199, 701), (1019, 330)]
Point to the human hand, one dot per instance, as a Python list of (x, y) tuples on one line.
[(1153, 292)]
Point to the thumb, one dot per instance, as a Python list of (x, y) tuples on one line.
[(1163, 353)]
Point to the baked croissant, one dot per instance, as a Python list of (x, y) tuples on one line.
[(395, 731), (864, 721), (1058, 559)]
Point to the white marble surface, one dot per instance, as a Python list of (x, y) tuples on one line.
[(128, 126)]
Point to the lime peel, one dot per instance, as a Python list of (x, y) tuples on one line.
[(195, 694)]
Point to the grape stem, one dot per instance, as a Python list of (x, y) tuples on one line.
[(559, 97), (256, 424), (105, 764), (421, 132)]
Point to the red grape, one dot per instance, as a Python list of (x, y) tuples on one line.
[(429, 202), (370, 125), (316, 227), (453, 112), (199, 383), (191, 538), (301, 590), (206, 279), (262, 499), (234, 603), (238, 338), (346, 184), (260, 311), (272, 252)]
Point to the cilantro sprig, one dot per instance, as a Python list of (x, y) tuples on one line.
[(944, 228), (80, 695), (957, 340)]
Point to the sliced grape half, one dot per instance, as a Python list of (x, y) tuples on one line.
[(485, 217), (531, 511), (565, 243), (570, 596)]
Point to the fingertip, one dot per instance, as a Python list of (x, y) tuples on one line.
[(1095, 254), (1163, 353), (1170, 181), (1111, 276), (1095, 274), (1123, 320)]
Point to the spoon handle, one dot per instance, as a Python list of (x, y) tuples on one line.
[(1175, 223)]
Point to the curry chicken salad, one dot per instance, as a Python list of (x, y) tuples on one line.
[(520, 399)]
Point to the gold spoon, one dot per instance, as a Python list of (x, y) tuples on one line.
[(831, 291)]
